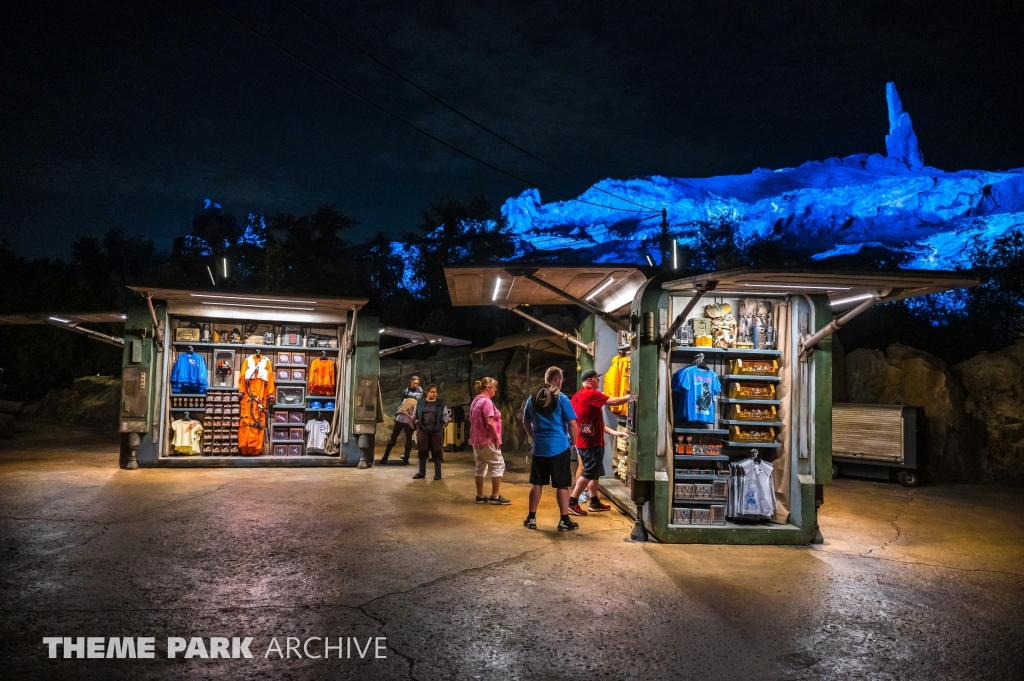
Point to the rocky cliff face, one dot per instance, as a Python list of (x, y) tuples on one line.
[(994, 382), (454, 371), (952, 438)]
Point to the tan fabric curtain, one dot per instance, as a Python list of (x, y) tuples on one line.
[(783, 468)]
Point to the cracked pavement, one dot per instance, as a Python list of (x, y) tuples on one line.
[(925, 583)]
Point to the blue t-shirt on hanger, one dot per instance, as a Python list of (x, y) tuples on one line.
[(693, 394)]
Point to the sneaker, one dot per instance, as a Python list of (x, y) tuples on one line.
[(530, 523), (567, 525), (499, 500), (437, 476), (596, 505), (584, 497), (574, 509), (482, 500), (418, 476)]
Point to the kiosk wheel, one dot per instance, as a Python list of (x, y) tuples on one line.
[(908, 478)]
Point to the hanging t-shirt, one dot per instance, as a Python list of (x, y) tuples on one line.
[(187, 436), (587, 404), (321, 377), (758, 493), (316, 435), (481, 411), (693, 394)]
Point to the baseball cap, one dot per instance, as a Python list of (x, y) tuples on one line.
[(589, 374)]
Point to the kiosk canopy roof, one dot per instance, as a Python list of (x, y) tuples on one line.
[(250, 305), (421, 336), (62, 318), (844, 289), (608, 287)]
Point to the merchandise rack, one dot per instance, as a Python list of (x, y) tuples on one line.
[(728, 352), (750, 377), (253, 346)]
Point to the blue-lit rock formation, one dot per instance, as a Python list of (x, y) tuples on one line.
[(822, 208)]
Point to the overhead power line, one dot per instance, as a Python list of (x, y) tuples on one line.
[(401, 120), (327, 27)]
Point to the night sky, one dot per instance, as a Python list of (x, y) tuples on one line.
[(129, 114)]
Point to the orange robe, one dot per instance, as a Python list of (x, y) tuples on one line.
[(256, 383)]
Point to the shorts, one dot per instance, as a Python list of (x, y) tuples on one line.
[(553, 469), (488, 456), (593, 462)]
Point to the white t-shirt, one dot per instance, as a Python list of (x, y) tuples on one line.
[(316, 435), (188, 436), (758, 491)]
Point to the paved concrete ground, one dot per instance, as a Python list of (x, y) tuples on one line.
[(910, 584)]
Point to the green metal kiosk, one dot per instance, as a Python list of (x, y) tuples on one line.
[(766, 337), (297, 335)]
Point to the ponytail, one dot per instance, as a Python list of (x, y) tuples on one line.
[(483, 384)]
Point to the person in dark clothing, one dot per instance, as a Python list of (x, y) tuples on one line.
[(415, 391), (430, 432), (404, 420)]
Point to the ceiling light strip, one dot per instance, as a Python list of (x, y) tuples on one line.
[(258, 300), (266, 307)]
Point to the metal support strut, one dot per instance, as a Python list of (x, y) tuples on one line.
[(608, 318), (808, 342), (569, 338), (681, 317)]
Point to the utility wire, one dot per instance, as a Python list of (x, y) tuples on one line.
[(402, 120), (457, 112)]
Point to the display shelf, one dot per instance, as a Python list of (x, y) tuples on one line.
[(320, 409), (701, 431), (188, 395), (752, 445), (740, 422), (191, 409), (290, 382), (699, 476), (255, 346), (694, 457), (751, 377), (693, 350), (682, 503), (288, 442), (741, 400)]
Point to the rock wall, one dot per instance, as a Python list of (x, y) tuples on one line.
[(454, 370), (93, 401), (994, 382), (952, 438)]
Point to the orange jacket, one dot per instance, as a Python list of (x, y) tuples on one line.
[(321, 379)]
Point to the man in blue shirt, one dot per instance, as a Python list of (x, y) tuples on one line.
[(551, 423)]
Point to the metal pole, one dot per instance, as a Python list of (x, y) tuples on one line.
[(95, 335), (567, 336), (808, 342), (156, 325), (698, 294), (608, 319)]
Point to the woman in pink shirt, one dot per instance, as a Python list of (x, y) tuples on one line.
[(485, 438)]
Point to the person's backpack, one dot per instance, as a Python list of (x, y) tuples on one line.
[(545, 399), (446, 416)]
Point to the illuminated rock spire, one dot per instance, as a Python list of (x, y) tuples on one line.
[(901, 142)]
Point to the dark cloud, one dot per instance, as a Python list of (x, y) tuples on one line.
[(130, 114)]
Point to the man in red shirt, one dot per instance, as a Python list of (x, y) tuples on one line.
[(588, 403)]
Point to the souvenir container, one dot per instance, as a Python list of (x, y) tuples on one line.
[(753, 434), (754, 367), (291, 335), (681, 516), (702, 491), (699, 327), (284, 358), (753, 412), (703, 342), (295, 433), (700, 516), (299, 374), (294, 450), (719, 489), (684, 491), (280, 433), (280, 450), (752, 391), (280, 416), (291, 396), (295, 417), (299, 358), (717, 514), (235, 397), (284, 374)]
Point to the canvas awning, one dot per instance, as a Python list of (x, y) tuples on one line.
[(62, 318), (844, 289), (609, 288), (534, 341)]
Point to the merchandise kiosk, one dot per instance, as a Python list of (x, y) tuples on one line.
[(219, 379), (729, 429)]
